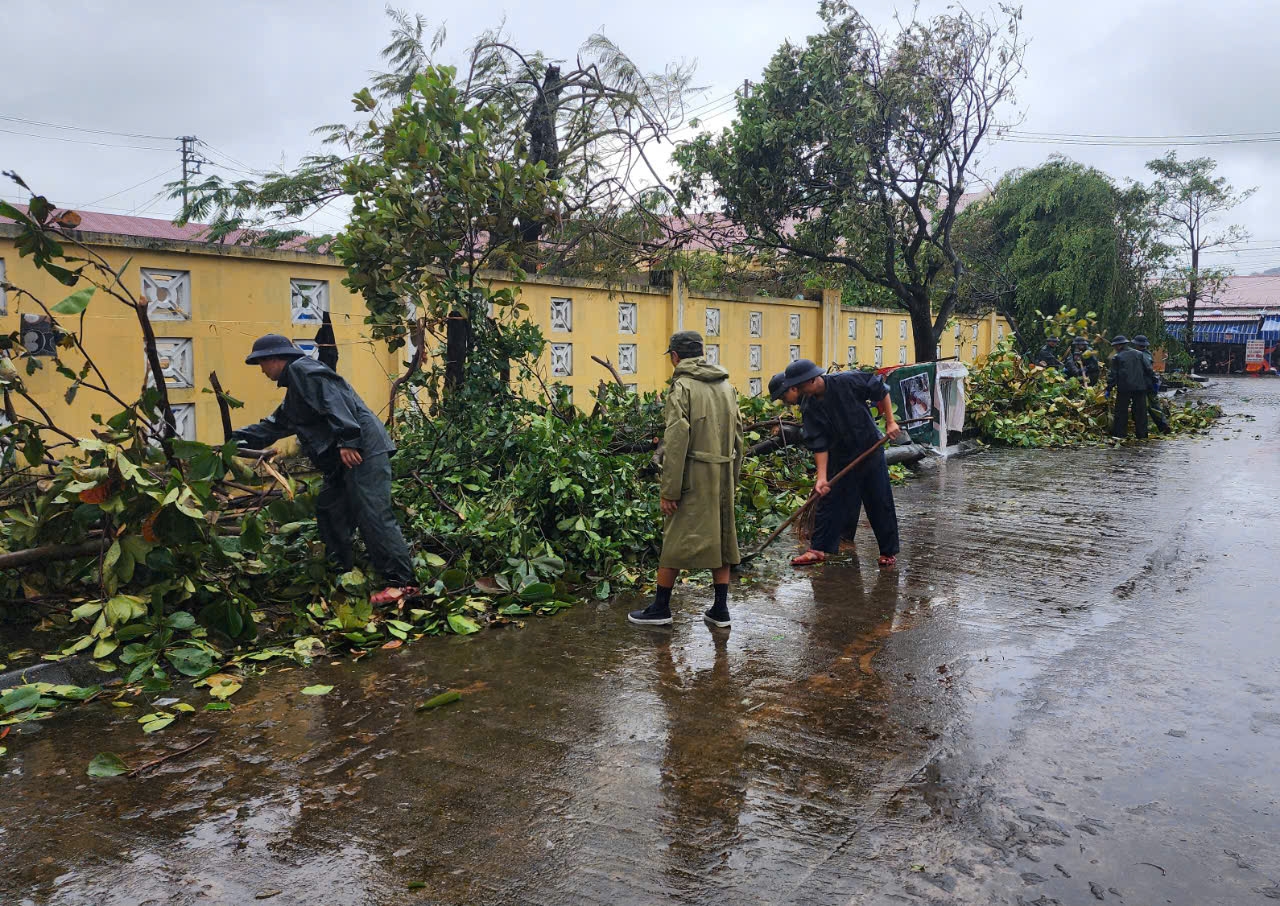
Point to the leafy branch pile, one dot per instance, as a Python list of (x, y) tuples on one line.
[(1014, 402)]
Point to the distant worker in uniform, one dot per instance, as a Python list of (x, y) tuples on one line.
[(1155, 412), (1082, 362), (347, 443), (1048, 354), (1129, 374), (702, 460), (838, 427)]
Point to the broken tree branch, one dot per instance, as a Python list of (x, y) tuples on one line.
[(224, 409)]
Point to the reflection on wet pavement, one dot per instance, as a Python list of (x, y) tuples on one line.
[(1066, 693)]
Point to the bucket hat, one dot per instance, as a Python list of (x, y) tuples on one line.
[(272, 346), (1141, 342), (799, 372), (775, 386), (1121, 340)]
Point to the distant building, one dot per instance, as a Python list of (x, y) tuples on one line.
[(1243, 309)]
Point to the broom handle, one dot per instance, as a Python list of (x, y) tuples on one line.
[(884, 439)]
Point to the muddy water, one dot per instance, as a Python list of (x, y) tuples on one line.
[(1066, 693)]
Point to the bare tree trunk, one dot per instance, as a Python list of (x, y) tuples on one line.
[(419, 337), (922, 332), (157, 372), (1193, 291), (457, 338)]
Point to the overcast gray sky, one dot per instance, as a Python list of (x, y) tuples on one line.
[(252, 79)]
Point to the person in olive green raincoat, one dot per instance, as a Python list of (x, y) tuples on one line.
[(702, 460)]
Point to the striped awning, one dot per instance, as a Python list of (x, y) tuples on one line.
[(1236, 332)]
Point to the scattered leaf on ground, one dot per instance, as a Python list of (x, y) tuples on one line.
[(222, 685), (317, 690), (107, 764), (444, 698)]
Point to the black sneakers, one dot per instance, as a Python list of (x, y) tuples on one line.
[(653, 615), (717, 615)]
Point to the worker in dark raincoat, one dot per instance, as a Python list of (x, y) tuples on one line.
[(838, 427), (1155, 412), (1129, 374), (1048, 354), (1082, 362), (349, 446), (702, 460)]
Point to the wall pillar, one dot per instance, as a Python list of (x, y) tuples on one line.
[(829, 328)]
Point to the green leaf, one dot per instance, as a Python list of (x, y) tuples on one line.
[(218, 706), (104, 647), (86, 611), (75, 303), (20, 699), (190, 661), (444, 698), (155, 726), (537, 591), (317, 690), (463, 625), (107, 764), (434, 560), (180, 620)]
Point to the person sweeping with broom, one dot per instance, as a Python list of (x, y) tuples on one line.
[(838, 427)]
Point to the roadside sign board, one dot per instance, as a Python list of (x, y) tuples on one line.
[(1254, 352)]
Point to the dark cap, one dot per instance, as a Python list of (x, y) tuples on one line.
[(1052, 341), (1141, 342), (1079, 341), (687, 344), (775, 385), (273, 346), (1121, 340), (799, 372)]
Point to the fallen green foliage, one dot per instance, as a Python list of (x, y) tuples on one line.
[(1013, 402)]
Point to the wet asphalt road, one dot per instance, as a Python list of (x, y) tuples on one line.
[(1068, 692)]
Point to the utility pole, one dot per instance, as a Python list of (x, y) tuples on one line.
[(191, 161)]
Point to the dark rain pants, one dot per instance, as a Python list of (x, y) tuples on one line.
[(866, 486), (1126, 400), (361, 498)]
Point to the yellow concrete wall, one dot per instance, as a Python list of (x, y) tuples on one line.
[(235, 298), (238, 294)]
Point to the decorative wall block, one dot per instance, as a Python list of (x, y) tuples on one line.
[(628, 319), (167, 293), (561, 359), (627, 358), (308, 301), (755, 357), (755, 324), (562, 315), (713, 322)]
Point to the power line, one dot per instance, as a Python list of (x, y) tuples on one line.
[(19, 119), (131, 188), (1151, 138), (78, 141)]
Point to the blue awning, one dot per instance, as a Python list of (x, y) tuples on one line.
[(1239, 332)]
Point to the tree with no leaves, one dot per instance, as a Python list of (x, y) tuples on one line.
[(855, 149), (1187, 199)]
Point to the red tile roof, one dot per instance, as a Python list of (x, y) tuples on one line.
[(149, 228), (1239, 297)]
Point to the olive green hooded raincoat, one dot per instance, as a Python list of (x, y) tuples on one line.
[(700, 467)]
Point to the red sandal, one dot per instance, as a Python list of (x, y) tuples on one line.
[(887, 562), (809, 558)]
